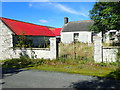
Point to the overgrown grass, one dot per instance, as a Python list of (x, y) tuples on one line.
[(83, 67), (77, 50)]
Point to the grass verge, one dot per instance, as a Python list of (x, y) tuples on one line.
[(82, 67)]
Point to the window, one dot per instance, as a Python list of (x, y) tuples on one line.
[(31, 41), (76, 36)]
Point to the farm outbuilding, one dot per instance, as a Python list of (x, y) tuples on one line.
[(35, 34), (13, 32)]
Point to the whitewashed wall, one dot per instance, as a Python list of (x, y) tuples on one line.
[(104, 54), (97, 49), (66, 37), (84, 36), (8, 52), (5, 40), (109, 54)]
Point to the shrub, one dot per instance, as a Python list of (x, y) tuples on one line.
[(16, 63), (115, 74), (37, 62), (22, 62), (102, 64)]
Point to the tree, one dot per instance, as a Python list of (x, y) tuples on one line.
[(106, 16)]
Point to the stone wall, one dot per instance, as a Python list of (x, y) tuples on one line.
[(8, 52), (103, 54), (97, 49), (109, 54)]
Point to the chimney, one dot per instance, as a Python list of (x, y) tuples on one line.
[(65, 20)]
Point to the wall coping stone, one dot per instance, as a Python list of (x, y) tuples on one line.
[(112, 47)]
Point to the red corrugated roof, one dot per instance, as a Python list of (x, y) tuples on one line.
[(56, 31), (20, 28)]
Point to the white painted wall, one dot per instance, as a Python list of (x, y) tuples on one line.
[(103, 54), (97, 49), (84, 36), (66, 37), (5, 40), (109, 54)]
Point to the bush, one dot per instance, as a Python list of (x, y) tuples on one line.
[(37, 62), (22, 62), (16, 63), (102, 64), (115, 74)]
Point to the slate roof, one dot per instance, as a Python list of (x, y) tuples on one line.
[(24, 28), (77, 26)]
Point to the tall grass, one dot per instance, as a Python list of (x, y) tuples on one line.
[(79, 51)]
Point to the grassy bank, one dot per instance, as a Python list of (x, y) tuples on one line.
[(84, 69), (68, 66)]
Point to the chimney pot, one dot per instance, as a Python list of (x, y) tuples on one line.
[(65, 20)]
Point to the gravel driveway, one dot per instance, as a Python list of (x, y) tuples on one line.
[(43, 79)]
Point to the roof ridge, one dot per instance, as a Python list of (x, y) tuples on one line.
[(80, 21)]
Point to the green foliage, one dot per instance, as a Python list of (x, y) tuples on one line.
[(22, 62), (22, 41), (61, 59), (118, 55), (108, 64), (84, 67), (106, 16), (36, 62), (16, 63), (115, 74), (102, 64)]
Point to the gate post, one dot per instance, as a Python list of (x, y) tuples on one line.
[(98, 55), (53, 48)]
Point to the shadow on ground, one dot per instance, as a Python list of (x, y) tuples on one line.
[(5, 72), (10, 71), (98, 83)]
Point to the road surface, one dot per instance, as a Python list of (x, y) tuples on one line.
[(43, 79)]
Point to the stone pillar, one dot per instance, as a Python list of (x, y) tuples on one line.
[(53, 48), (98, 55)]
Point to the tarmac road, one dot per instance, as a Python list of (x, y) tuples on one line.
[(43, 79)]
